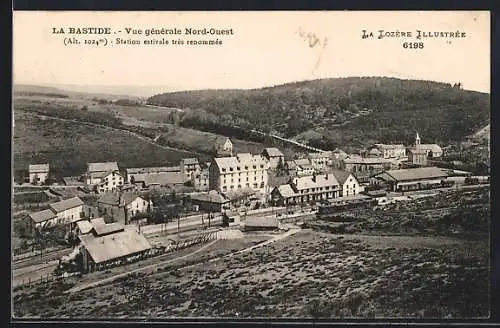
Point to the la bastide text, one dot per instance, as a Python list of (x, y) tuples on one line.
[(130, 35), (413, 39)]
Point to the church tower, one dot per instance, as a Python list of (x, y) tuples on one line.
[(417, 140)]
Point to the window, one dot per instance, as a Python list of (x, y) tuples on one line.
[(223, 169), (254, 178), (247, 178), (261, 166), (246, 167), (231, 169), (255, 167), (238, 168), (224, 188)]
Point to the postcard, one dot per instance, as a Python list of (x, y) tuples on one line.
[(294, 165)]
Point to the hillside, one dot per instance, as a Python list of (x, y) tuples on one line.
[(68, 146), (345, 111)]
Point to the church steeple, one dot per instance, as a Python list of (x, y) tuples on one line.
[(417, 140)]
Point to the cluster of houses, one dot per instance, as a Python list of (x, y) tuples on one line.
[(228, 177)]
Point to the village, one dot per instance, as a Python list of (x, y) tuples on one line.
[(138, 213)]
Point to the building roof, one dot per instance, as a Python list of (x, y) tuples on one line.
[(103, 174), (286, 191), (319, 155), (240, 160), (264, 222), (302, 161), (72, 181), (39, 168), (42, 216), (366, 161), (240, 193), (317, 181), (106, 229), (389, 146), (166, 178), (113, 198), (84, 226), (66, 204), (416, 151), (189, 161), (157, 169), (374, 151), (212, 196), (97, 221), (115, 246), (416, 173), (341, 176), (273, 152), (102, 167), (220, 141), (435, 148)]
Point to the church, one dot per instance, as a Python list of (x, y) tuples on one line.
[(418, 155)]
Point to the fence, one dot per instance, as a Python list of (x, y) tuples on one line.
[(49, 277)]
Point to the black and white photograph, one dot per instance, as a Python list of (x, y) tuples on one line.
[(297, 165)]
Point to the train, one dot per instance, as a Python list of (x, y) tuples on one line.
[(350, 204)]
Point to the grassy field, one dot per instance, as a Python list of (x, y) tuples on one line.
[(145, 120), (310, 274), (464, 214), (68, 146)]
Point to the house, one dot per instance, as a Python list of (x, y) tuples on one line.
[(96, 171), (303, 167), (39, 173), (202, 180), (320, 160), (223, 147), (358, 164), (60, 213), (122, 207), (417, 156), (432, 150), (349, 184), (274, 156), (84, 227), (374, 152), (411, 179), (212, 201), (236, 172), (42, 220), (110, 181), (138, 173), (391, 151), (190, 167), (68, 210), (306, 189), (113, 249)]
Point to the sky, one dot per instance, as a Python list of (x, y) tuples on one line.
[(266, 48)]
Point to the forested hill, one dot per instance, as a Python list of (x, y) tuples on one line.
[(344, 110)]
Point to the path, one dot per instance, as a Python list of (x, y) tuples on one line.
[(134, 134), (149, 267)]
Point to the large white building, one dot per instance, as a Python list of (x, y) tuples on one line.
[(238, 172), (391, 151)]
